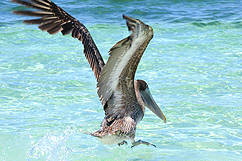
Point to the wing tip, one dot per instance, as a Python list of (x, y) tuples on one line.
[(130, 22), (130, 19)]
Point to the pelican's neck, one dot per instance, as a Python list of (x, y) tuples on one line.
[(138, 95)]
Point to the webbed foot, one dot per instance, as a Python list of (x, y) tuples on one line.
[(122, 143), (136, 143)]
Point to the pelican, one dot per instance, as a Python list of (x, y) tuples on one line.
[(123, 98)]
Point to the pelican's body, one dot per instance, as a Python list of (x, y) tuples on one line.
[(116, 84), (123, 98)]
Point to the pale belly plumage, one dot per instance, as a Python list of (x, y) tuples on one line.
[(119, 131), (113, 139)]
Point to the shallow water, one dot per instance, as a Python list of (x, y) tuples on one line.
[(193, 66)]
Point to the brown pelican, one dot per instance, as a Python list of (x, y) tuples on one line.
[(123, 98)]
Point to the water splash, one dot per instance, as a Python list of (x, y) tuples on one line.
[(51, 147)]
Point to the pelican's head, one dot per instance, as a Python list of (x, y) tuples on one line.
[(148, 99)]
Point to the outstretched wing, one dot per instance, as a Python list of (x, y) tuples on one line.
[(116, 83), (54, 19)]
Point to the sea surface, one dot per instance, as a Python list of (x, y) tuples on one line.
[(193, 66)]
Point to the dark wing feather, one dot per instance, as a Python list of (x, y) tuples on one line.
[(54, 19)]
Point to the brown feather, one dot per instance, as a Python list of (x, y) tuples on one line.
[(54, 30), (34, 21), (34, 13), (50, 25), (42, 2), (31, 5), (55, 19)]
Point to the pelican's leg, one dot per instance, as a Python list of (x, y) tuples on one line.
[(122, 143), (136, 143)]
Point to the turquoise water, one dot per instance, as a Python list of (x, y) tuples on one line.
[(193, 66)]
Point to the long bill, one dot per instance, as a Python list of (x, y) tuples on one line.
[(151, 104)]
